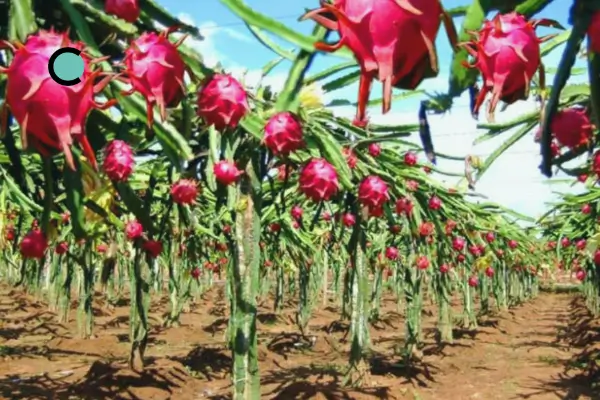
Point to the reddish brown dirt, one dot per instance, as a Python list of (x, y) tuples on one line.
[(536, 351)]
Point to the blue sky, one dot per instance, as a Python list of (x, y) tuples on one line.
[(514, 180)]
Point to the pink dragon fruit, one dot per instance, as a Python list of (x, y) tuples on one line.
[(572, 127), (226, 172), (222, 102), (184, 191), (373, 192), (128, 10), (392, 40), (118, 161), (51, 115), (155, 69), (319, 180), (283, 134), (507, 53)]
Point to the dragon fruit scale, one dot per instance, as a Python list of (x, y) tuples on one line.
[(392, 40), (51, 115), (507, 53), (155, 69)]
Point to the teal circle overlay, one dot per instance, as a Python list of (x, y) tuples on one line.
[(68, 66)]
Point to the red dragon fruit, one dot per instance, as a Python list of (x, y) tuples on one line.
[(184, 191), (134, 230), (319, 180), (118, 161), (572, 127), (297, 212), (61, 248), (435, 203), (596, 163), (586, 209), (392, 40), (404, 206), (128, 10), (565, 242), (458, 243), (373, 192), (348, 220), (594, 32), (226, 172), (153, 247), (473, 281), (374, 150), (283, 134), (422, 262), (410, 158), (392, 253), (155, 69), (222, 102), (507, 53), (444, 268), (51, 115), (34, 244)]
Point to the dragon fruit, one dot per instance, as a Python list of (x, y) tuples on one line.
[(422, 262), (61, 248), (507, 53), (184, 191), (392, 40), (51, 115), (374, 150), (297, 212), (318, 180), (34, 244), (222, 102), (118, 161), (392, 253), (283, 134), (373, 192), (594, 32), (572, 127), (348, 220), (134, 230), (435, 203), (153, 247), (226, 172), (410, 158), (155, 69), (128, 10)]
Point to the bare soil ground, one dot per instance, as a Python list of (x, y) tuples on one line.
[(545, 349)]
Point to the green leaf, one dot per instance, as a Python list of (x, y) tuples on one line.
[(505, 146), (22, 20), (279, 29), (268, 43), (75, 198), (156, 12), (460, 76)]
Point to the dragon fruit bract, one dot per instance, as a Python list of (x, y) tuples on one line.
[(128, 10), (155, 70), (392, 40), (507, 52), (51, 115), (222, 102)]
